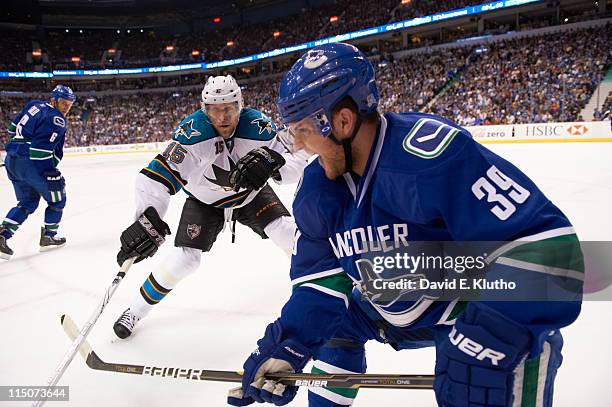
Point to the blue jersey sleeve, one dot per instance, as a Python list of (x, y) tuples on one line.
[(47, 139), (321, 288)]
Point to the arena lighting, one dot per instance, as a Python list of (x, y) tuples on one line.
[(392, 27), (67, 30), (36, 53), (75, 59), (406, 1), (217, 20), (81, 31), (333, 19), (169, 48), (230, 43), (195, 53), (276, 34), (111, 51), (141, 30)]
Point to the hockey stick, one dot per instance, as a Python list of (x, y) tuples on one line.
[(352, 381), (79, 337)]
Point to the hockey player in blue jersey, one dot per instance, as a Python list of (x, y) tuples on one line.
[(34, 150), (380, 182)]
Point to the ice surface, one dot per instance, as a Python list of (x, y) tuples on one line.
[(214, 317)]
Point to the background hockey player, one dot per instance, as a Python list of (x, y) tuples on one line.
[(222, 156), (34, 150), (411, 177)]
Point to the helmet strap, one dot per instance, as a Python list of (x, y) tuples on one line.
[(347, 145)]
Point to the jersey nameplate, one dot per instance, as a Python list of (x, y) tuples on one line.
[(429, 138)]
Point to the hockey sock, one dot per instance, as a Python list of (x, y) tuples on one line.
[(153, 292), (51, 230), (13, 220)]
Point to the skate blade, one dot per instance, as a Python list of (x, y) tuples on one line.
[(49, 248), (5, 256)]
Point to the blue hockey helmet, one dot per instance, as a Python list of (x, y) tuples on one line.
[(321, 78), (63, 92)]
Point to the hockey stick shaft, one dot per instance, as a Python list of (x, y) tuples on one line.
[(354, 381), (82, 335)]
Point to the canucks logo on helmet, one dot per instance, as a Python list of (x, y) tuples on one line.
[(315, 58)]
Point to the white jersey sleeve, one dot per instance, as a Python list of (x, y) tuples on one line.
[(165, 175)]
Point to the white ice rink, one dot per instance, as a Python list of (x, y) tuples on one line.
[(213, 318)]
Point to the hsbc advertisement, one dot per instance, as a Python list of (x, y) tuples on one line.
[(543, 132)]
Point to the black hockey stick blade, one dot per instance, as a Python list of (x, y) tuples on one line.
[(354, 381)]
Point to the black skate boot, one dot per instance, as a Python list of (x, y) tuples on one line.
[(125, 324), (5, 251), (50, 242)]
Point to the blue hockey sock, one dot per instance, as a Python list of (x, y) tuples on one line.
[(51, 229), (14, 218), (6, 232), (152, 291)]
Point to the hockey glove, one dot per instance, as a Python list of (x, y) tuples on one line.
[(255, 168), (274, 354), (476, 362), (143, 237), (54, 179)]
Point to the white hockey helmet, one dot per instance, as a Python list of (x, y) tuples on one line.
[(221, 89)]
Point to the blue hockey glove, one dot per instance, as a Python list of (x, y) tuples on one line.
[(274, 354), (55, 180), (475, 363)]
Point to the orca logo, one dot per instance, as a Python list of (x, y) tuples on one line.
[(315, 59)]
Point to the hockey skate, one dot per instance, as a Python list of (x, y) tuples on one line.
[(124, 326), (5, 251), (50, 242)]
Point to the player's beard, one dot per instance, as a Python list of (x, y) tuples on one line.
[(332, 161), (225, 132)]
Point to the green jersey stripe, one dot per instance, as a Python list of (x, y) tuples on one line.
[(348, 393)]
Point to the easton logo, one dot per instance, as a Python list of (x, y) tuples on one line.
[(294, 353), (472, 348)]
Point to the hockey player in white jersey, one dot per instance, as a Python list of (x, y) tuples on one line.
[(222, 156)]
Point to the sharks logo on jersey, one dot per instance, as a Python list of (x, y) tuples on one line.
[(264, 124), (186, 129), (222, 175)]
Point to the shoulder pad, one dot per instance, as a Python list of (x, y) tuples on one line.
[(254, 125), (194, 129)]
